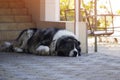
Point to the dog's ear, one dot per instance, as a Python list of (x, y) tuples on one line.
[(59, 41), (57, 45), (79, 43)]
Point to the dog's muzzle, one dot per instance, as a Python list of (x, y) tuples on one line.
[(74, 53)]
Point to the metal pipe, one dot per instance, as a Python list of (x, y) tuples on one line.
[(95, 13)]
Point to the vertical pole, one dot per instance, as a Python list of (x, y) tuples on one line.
[(80, 28), (77, 9), (95, 43), (95, 13)]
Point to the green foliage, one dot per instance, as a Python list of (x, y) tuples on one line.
[(118, 12), (65, 5), (68, 7)]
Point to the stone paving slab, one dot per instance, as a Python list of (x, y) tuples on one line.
[(97, 66)]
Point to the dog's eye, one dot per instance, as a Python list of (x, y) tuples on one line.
[(79, 43), (77, 47)]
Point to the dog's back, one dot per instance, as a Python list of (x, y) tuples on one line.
[(41, 37)]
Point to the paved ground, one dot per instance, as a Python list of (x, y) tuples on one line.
[(94, 66)]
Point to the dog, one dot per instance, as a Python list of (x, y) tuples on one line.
[(48, 41)]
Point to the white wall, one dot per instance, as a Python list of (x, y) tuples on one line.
[(52, 10)]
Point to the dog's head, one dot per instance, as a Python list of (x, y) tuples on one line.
[(68, 46)]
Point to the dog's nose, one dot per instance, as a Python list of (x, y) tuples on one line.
[(75, 53)]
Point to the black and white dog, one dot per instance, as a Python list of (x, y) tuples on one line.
[(50, 41)]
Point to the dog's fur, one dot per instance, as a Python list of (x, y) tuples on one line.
[(50, 41)]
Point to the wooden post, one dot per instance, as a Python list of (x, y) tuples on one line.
[(77, 8)]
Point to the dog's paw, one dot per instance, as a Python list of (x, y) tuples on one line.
[(16, 49), (42, 50)]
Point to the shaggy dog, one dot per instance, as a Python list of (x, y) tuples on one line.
[(49, 41)]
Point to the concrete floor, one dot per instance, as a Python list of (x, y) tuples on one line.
[(94, 66)]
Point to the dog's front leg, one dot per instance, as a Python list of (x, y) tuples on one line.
[(43, 50)]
